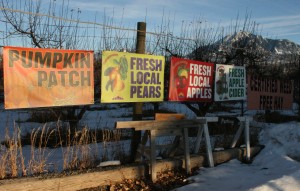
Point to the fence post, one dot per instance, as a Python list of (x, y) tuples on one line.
[(138, 106)]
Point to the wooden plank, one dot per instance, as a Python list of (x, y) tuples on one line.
[(244, 118), (153, 124), (75, 182), (117, 174), (173, 126), (132, 124), (169, 116), (209, 119)]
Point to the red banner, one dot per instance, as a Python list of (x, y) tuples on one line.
[(191, 80), (35, 77)]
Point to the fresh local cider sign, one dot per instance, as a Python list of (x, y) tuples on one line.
[(190, 80), (129, 77), (35, 77), (230, 83)]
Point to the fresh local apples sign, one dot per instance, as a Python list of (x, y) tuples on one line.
[(190, 80)]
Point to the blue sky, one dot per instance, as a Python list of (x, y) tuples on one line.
[(277, 19)]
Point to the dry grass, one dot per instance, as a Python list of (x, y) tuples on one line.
[(78, 154), (39, 155), (79, 150), (3, 164), (11, 156)]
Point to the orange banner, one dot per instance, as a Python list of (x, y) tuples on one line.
[(35, 77)]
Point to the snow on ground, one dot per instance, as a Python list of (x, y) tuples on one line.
[(272, 169)]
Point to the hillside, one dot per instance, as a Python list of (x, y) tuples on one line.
[(274, 46)]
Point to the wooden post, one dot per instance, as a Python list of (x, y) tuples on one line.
[(244, 126), (203, 128), (153, 155), (237, 134), (138, 107), (208, 146), (187, 151), (247, 139), (198, 139)]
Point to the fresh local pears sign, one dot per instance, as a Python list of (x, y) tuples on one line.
[(129, 77), (190, 80), (230, 83)]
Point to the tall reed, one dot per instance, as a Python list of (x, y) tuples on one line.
[(39, 155)]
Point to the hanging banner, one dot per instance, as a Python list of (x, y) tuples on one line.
[(129, 77), (269, 94), (35, 77), (230, 83), (190, 80)]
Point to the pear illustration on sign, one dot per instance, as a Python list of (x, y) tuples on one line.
[(117, 74), (221, 83)]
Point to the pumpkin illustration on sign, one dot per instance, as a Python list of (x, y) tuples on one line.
[(117, 74), (181, 79)]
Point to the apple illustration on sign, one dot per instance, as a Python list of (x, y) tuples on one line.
[(181, 78)]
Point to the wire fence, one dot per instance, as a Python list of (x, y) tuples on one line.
[(31, 28), (72, 33)]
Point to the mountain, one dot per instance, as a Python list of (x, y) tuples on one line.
[(274, 46), (247, 48)]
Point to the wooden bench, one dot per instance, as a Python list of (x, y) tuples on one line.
[(143, 152), (168, 125)]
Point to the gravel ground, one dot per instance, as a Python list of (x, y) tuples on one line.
[(166, 181)]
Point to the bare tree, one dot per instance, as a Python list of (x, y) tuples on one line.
[(58, 26), (26, 20), (201, 41)]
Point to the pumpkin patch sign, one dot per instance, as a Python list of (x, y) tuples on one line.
[(36, 77), (190, 80)]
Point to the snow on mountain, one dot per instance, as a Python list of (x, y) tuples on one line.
[(274, 46)]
